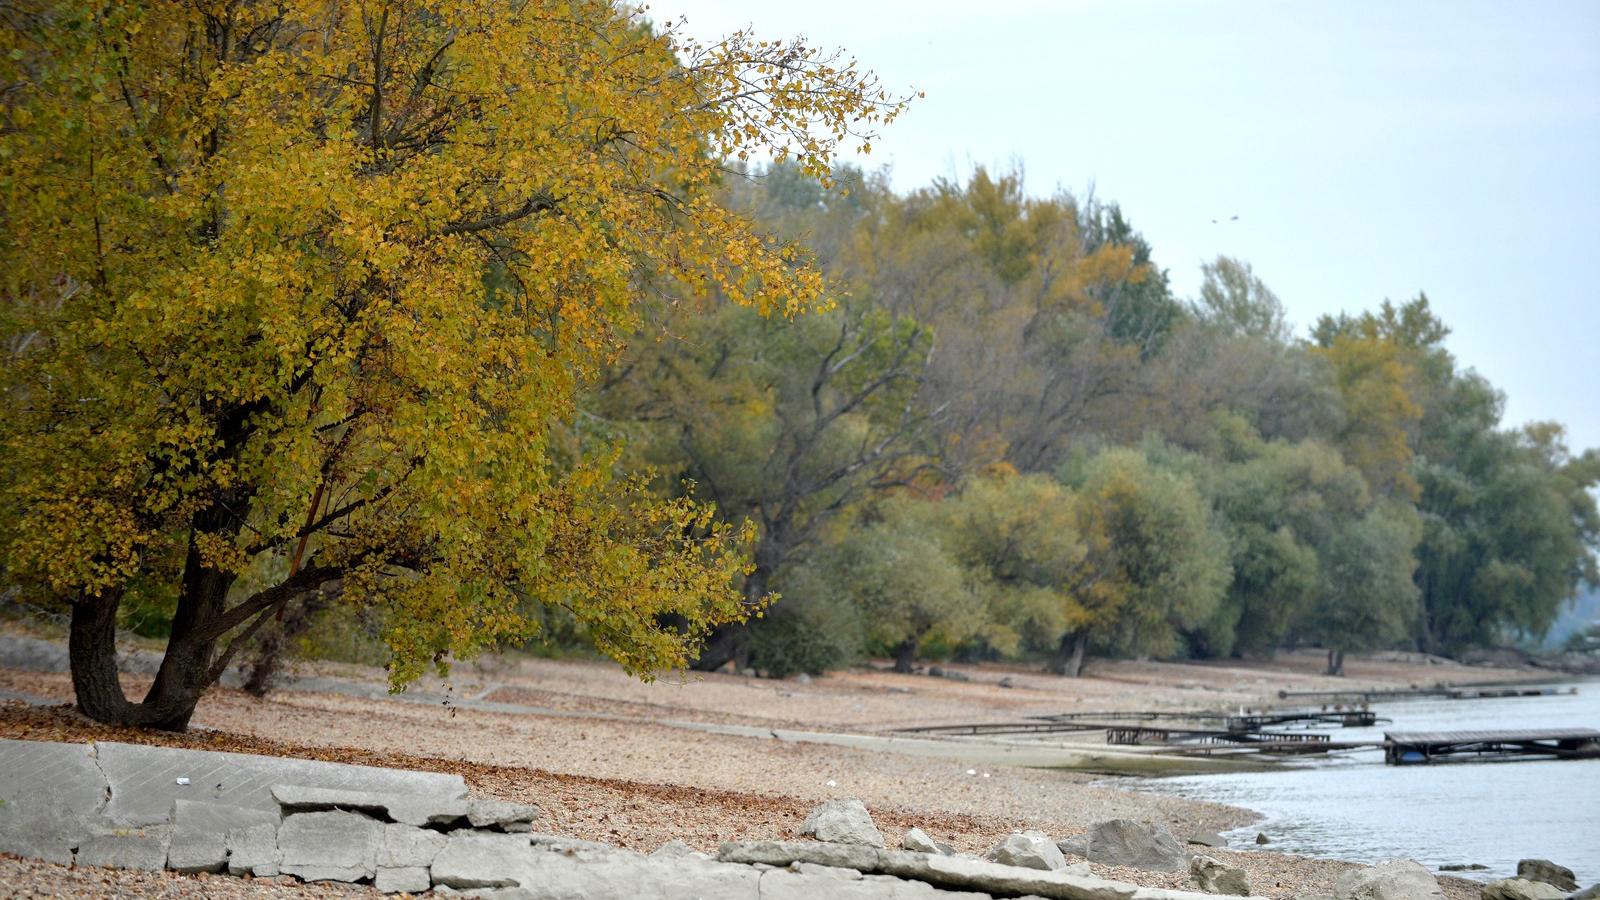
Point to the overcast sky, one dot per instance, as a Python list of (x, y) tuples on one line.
[(1370, 149)]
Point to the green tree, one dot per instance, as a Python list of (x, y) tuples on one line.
[(296, 293), (1154, 545), (1235, 301), (897, 575)]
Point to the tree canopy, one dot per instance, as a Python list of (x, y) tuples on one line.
[(300, 294)]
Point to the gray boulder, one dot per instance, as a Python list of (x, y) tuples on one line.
[(1028, 849), (843, 822), (1217, 877), (1397, 879), (919, 841), (1076, 845), (330, 846), (1521, 889), (1206, 839), (1138, 845), (1548, 872)]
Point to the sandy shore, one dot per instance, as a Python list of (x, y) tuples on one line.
[(612, 759)]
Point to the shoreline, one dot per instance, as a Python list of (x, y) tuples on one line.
[(640, 764)]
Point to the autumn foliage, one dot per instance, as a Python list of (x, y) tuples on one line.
[(295, 293)]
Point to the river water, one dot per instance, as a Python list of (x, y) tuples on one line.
[(1352, 806)]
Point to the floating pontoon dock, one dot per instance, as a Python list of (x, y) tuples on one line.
[(1402, 748)]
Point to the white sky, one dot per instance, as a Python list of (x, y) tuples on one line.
[(1370, 149)]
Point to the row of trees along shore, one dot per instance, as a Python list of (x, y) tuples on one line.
[(466, 323), (1005, 436)]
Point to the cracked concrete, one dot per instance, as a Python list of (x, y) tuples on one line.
[(97, 805)]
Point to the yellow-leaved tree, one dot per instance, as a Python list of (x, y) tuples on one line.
[(295, 292)]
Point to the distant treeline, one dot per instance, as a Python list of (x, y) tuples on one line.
[(1004, 435)]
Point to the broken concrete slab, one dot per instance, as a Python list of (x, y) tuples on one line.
[(949, 872), (200, 830), (68, 771), (488, 812), (402, 879), (407, 809), (617, 874), (407, 846), (253, 850), (330, 846), (143, 847), (782, 854), (43, 824), (144, 780), (472, 859)]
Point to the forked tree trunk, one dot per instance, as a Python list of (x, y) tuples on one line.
[(1335, 663), (92, 650), (186, 667), (1068, 659)]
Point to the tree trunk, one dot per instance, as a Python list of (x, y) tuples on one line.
[(274, 642), (185, 671), (1068, 660), (731, 642), (1335, 663), (905, 655), (92, 651)]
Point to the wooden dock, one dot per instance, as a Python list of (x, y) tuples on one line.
[(1402, 748), (1443, 691)]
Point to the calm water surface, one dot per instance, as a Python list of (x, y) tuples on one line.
[(1355, 807)]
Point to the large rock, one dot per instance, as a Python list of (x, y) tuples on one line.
[(1592, 892), (843, 822), (1397, 879), (200, 833), (920, 841), (1548, 872), (1137, 845), (330, 846), (1217, 877), (1029, 849), (127, 848), (1206, 839), (407, 809), (1522, 889)]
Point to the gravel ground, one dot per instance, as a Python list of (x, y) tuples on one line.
[(638, 783)]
